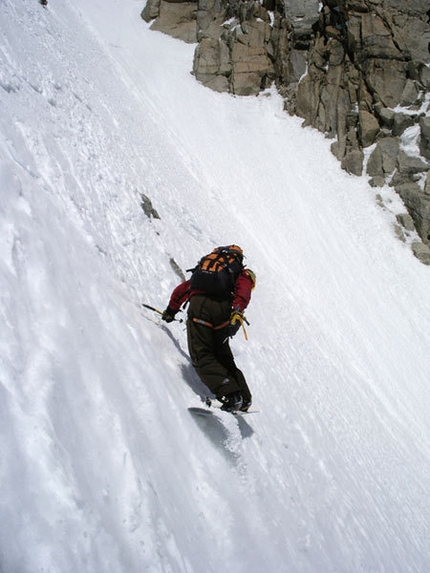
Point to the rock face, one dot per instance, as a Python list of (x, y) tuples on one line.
[(178, 19), (357, 70), (234, 47)]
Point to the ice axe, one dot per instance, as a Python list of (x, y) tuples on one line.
[(158, 311)]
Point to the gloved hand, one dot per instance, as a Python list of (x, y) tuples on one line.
[(168, 315), (236, 319)]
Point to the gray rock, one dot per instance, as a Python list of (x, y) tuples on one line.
[(418, 206), (249, 59), (377, 181), (401, 122), (212, 64), (238, 59), (177, 20), (411, 30), (147, 207), (210, 16), (302, 15), (402, 178), (386, 80), (385, 115), (410, 165), (368, 128), (410, 93), (425, 127), (353, 161), (376, 39), (425, 137), (383, 160), (400, 234), (427, 184), (151, 10), (422, 252), (177, 269), (424, 76), (406, 221)]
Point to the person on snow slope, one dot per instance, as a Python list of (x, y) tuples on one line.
[(215, 313)]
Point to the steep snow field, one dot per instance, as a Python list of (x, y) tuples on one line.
[(102, 467)]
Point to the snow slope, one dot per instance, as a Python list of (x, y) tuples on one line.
[(102, 467)]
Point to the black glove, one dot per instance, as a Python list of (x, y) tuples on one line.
[(233, 329), (236, 320), (168, 315)]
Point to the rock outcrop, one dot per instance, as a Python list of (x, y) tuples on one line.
[(173, 17), (357, 70)]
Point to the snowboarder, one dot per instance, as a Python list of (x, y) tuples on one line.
[(218, 293)]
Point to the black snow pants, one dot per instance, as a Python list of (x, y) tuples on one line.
[(208, 344)]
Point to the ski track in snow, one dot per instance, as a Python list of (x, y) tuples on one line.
[(103, 469)]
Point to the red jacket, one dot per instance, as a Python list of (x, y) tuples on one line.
[(241, 293)]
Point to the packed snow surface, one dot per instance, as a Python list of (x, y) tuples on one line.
[(103, 468)]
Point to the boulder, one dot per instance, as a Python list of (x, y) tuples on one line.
[(422, 252), (418, 206), (386, 80), (410, 93), (151, 10), (406, 222), (383, 159), (249, 60), (401, 122), (411, 165), (177, 19), (212, 64), (425, 137), (210, 17), (302, 15), (411, 30), (427, 184), (353, 161), (424, 76), (385, 115), (376, 39), (237, 59), (368, 128)]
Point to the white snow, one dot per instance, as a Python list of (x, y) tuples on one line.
[(102, 467)]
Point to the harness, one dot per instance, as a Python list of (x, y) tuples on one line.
[(210, 325)]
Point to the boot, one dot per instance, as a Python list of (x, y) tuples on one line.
[(231, 402), (245, 405)]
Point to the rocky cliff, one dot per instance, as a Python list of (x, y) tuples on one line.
[(357, 70)]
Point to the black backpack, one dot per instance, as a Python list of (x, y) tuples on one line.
[(216, 273)]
